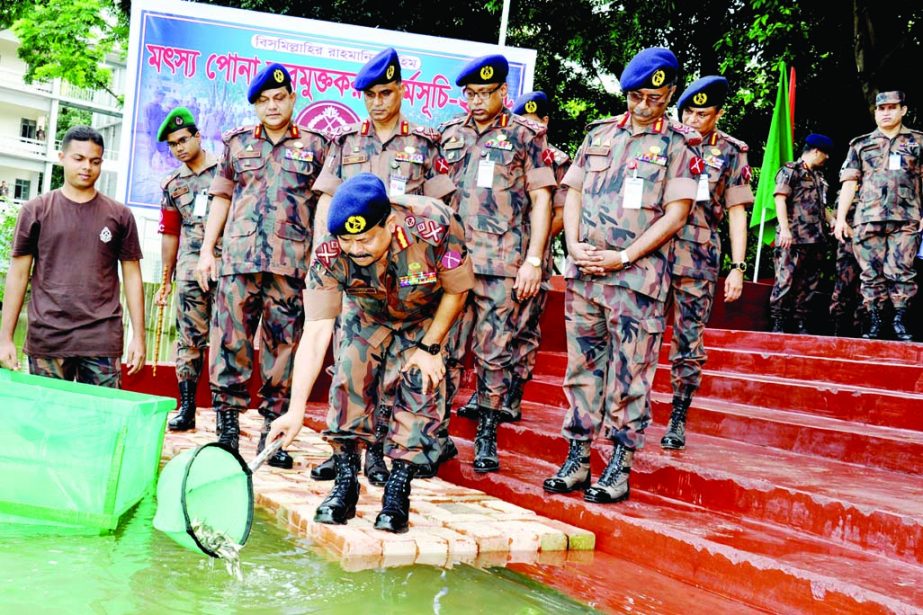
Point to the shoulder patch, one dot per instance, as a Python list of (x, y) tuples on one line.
[(740, 145), (170, 177), (605, 120), (337, 134), (458, 119), (326, 136), (536, 127), (327, 252), (431, 134), (691, 135), (860, 138), (229, 134)]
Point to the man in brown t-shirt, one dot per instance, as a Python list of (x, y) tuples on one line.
[(75, 237)]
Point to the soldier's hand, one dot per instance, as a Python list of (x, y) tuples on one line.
[(135, 355), (842, 231), (206, 271), (432, 368), (287, 427), (784, 239), (8, 357), (733, 285), (163, 293), (528, 281), (585, 255)]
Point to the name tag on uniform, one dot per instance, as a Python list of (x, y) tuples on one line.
[(356, 159), (634, 193), (200, 208), (486, 174), (702, 193), (397, 186), (894, 162)]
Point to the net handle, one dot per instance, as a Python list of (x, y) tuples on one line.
[(266, 454)]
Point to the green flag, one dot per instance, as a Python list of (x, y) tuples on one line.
[(779, 150)]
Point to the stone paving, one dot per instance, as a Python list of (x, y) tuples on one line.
[(449, 524)]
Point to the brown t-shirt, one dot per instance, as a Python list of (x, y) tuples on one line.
[(76, 248)]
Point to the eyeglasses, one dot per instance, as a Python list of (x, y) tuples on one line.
[(652, 100), (483, 95), (175, 144)]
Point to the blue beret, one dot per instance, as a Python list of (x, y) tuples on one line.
[(651, 68), (710, 91), (486, 69), (271, 77), (359, 203), (383, 68), (532, 102), (821, 142)]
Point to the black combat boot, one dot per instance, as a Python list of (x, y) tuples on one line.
[(873, 323), (801, 326), (511, 409), (612, 485), (375, 469), (470, 409), (485, 442), (326, 470), (778, 324), (575, 473), (675, 438), (395, 503), (280, 459), (900, 328), (228, 428), (185, 420), (340, 506), (447, 451)]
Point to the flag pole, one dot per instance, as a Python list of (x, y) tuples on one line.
[(759, 245), (504, 22)]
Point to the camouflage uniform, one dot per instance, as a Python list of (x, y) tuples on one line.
[(193, 306), (615, 321), (696, 257), (497, 229), (101, 371), (393, 303), (844, 298), (405, 162), (798, 267), (529, 334), (267, 238), (887, 217)]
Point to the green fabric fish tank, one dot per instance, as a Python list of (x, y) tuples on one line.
[(76, 455)]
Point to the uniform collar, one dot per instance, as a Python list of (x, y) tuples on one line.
[(401, 129), (210, 161), (711, 138), (656, 128)]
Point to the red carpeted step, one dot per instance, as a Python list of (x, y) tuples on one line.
[(772, 567), (875, 509)]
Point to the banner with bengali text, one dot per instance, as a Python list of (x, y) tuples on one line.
[(203, 57)]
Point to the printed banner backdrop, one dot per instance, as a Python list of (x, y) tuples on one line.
[(203, 57)]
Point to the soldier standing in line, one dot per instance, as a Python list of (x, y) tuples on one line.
[(887, 162), (845, 306), (800, 197), (263, 204), (533, 106), (183, 210), (630, 189), (403, 264), (723, 186), (502, 169), (405, 157)]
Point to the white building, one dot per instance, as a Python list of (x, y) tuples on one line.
[(29, 121)]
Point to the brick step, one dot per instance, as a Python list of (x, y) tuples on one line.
[(772, 567), (870, 508)]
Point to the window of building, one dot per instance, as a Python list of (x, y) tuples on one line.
[(22, 191), (27, 128)]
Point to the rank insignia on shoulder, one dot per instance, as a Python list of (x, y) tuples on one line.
[(416, 279), (299, 155), (400, 235)]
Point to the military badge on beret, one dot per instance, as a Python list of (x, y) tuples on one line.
[(178, 118), (385, 67), (709, 91), (360, 203), (355, 225), (484, 70), (271, 77)]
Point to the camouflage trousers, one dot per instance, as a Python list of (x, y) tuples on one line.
[(528, 335), (367, 375), (885, 252), (845, 297), (693, 299), (613, 339), (101, 371), (240, 301), (490, 320), (193, 314), (797, 279)]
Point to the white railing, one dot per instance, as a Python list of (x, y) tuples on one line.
[(108, 154), (23, 147), (99, 98), (13, 79)]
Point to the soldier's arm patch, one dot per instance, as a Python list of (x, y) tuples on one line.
[(548, 156), (430, 231), (327, 253), (441, 165), (746, 173), (451, 259), (696, 165), (170, 222)]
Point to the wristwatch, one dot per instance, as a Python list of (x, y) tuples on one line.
[(433, 349), (741, 266), (534, 261), (626, 262)]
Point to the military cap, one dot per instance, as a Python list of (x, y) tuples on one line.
[(359, 204), (383, 68), (892, 97), (177, 119), (532, 102), (486, 69), (651, 68), (271, 77), (710, 91), (821, 142)]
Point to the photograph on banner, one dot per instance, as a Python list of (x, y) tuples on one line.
[(204, 57)]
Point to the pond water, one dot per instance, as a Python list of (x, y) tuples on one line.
[(139, 570)]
